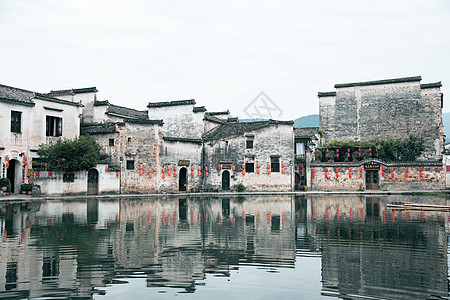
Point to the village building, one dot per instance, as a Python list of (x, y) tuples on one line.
[(28, 119), (364, 111), (306, 140)]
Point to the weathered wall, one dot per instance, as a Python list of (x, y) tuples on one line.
[(397, 110), (273, 140), (322, 176)]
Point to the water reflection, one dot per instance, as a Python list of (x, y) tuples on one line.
[(80, 248)]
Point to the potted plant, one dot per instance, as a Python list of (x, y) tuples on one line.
[(5, 184), (26, 188)]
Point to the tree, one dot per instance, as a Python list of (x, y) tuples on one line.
[(81, 153)]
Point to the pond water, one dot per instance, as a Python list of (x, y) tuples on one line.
[(254, 247)]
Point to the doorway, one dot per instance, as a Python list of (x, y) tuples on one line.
[(92, 182), (13, 174), (182, 187), (372, 180), (226, 180)]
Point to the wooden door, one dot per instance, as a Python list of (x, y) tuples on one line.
[(372, 180), (225, 180)]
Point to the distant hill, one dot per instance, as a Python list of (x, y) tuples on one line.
[(307, 121)]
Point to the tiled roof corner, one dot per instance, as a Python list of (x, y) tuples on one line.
[(127, 113), (326, 94), (199, 109), (73, 91), (431, 85), (101, 103), (305, 132), (218, 113), (213, 119), (97, 128)]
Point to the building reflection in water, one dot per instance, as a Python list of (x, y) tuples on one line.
[(75, 248)]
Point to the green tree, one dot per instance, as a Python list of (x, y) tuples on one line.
[(70, 155)]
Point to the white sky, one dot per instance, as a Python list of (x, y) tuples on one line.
[(221, 53)]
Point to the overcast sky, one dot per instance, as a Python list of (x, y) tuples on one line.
[(221, 53)]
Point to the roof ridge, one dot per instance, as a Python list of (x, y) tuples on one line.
[(16, 88), (376, 82)]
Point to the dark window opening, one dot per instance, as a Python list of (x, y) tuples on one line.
[(50, 267), (111, 142), (16, 120), (249, 144), (249, 167), (129, 140), (53, 126), (275, 164), (11, 276), (130, 164), (69, 177)]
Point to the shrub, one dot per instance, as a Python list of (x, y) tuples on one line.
[(239, 187)]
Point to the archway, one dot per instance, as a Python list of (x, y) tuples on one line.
[(226, 180), (13, 174), (92, 188), (182, 187)]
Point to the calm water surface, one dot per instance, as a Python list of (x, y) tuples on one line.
[(349, 247)]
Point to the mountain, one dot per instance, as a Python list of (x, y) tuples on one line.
[(308, 121)]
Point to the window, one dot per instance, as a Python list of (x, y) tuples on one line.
[(130, 164), (249, 144), (249, 167), (111, 142), (299, 149), (16, 120), (69, 177), (53, 126), (275, 164)]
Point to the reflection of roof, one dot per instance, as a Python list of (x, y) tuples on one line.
[(306, 132), (171, 103), (234, 129), (72, 91), (98, 128), (14, 95)]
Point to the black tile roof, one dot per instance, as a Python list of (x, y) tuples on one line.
[(326, 94), (431, 85), (199, 109), (213, 119), (126, 112), (216, 113), (72, 91), (235, 129), (18, 96), (144, 122), (171, 103), (305, 132), (384, 81), (101, 103), (96, 128)]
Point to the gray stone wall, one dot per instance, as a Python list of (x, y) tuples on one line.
[(397, 110)]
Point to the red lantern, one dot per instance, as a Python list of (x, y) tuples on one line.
[(206, 169), (37, 174), (337, 170), (392, 170), (337, 175), (257, 171), (233, 168), (392, 175), (106, 170), (326, 170), (268, 172), (314, 170), (7, 164), (243, 166), (7, 158), (349, 175), (349, 170), (174, 168), (360, 169), (360, 174), (282, 164), (370, 149), (359, 154), (282, 171), (313, 175), (243, 172), (420, 175), (420, 169), (199, 174), (382, 173), (337, 154), (206, 174), (150, 175), (438, 169), (142, 167), (150, 171), (164, 170), (268, 166), (337, 150), (199, 168), (163, 176), (192, 174), (326, 175), (359, 149), (382, 168), (258, 165), (169, 168), (25, 163), (406, 170), (174, 174), (169, 173), (24, 158), (49, 173), (327, 150), (140, 173), (117, 174), (406, 175), (192, 168), (220, 168)]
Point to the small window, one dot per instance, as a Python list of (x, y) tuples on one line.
[(53, 126), (16, 120), (129, 140), (70, 177), (130, 164), (111, 142), (249, 167), (249, 144), (275, 164)]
